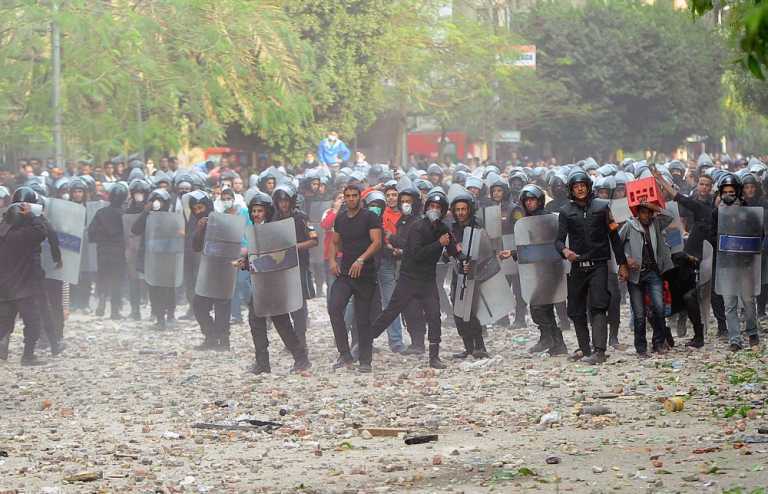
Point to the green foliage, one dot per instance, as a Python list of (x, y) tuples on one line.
[(647, 74), (191, 67), (748, 22)]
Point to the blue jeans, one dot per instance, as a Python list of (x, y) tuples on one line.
[(386, 275), (651, 283), (242, 294), (732, 317)]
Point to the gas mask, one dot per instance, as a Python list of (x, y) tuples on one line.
[(156, 205), (728, 198), (406, 209), (228, 204), (433, 215), (138, 197)]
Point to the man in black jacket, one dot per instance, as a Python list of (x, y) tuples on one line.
[(587, 223), (409, 205), (106, 231), (21, 275), (423, 248)]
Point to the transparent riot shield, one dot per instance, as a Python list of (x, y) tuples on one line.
[(542, 269), (164, 249), (68, 220), (223, 240), (739, 264)]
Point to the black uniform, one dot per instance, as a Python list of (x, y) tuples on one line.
[(215, 329), (21, 278), (106, 231), (52, 296), (471, 331), (413, 313), (162, 299), (591, 236), (417, 278), (700, 228), (137, 287)]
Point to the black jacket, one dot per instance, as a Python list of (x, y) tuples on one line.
[(700, 223), (53, 240), (106, 231), (590, 231), (423, 250), (21, 274)]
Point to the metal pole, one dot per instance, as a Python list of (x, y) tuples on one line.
[(57, 119)]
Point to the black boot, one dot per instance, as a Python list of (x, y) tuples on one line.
[(208, 344), (480, 351), (160, 324), (558, 344), (434, 356), (613, 336), (698, 335), (29, 359), (469, 347), (597, 357), (417, 345), (545, 342), (223, 343), (101, 308), (300, 361), (261, 366), (4, 344), (57, 347)]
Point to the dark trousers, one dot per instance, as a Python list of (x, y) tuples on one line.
[(54, 296), (111, 278), (28, 308), (80, 294), (136, 289), (544, 317), (514, 281), (716, 300), (364, 290), (614, 308), (163, 300), (212, 327), (191, 267), (282, 325), (415, 323), (421, 294), (299, 321), (588, 292), (761, 300)]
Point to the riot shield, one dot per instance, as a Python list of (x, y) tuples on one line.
[(164, 249), (739, 265), (705, 266), (273, 261), (68, 220), (509, 266), (491, 218), (88, 258), (673, 234), (542, 269), (465, 285), (704, 283), (223, 239), (494, 299), (620, 210), (132, 245)]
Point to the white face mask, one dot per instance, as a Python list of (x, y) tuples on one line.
[(138, 197), (36, 209), (228, 204), (406, 209), (156, 205), (332, 138), (433, 215), (65, 196)]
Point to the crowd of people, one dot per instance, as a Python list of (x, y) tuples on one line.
[(562, 243)]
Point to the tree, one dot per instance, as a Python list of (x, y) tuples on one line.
[(648, 76), (189, 68), (748, 23)]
